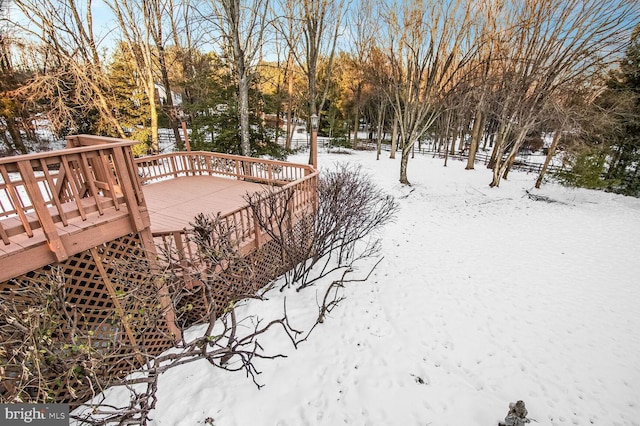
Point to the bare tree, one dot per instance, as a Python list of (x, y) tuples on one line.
[(427, 44), (10, 102), (159, 10), (147, 27), (488, 12), (241, 25), (188, 35), (351, 209), (311, 28), (548, 45), (66, 54), (285, 37), (138, 27), (361, 21), (574, 114)]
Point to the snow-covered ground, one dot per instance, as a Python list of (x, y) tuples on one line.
[(484, 297)]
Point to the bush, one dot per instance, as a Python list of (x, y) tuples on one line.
[(143, 136), (340, 142), (351, 209), (586, 169)]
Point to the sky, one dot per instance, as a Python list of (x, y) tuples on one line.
[(484, 296), (105, 24)]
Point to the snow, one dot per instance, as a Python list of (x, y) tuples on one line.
[(484, 297)]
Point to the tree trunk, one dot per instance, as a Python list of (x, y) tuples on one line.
[(478, 125), (290, 126), (312, 108), (243, 82), (356, 127), (356, 116), (278, 107), (168, 106), (243, 106), (496, 154), (497, 147), (547, 160), (612, 169), (404, 160), (463, 135), (508, 164), (394, 137), (489, 137), (454, 137), (381, 113), (289, 135), (5, 139), (16, 138), (153, 112), (504, 166), (446, 151)]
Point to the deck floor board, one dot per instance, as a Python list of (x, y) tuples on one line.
[(173, 203)]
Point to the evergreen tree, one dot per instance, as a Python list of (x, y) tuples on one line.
[(214, 121), (131, 103), (622, 96)]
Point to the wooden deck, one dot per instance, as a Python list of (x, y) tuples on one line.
[(85, 209), (58, 204), (172, 204)]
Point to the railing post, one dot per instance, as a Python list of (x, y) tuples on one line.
[(192, 163), (256, 230), (128, 189), (40, 207), (174, 166), (238, 174), (73, 141)]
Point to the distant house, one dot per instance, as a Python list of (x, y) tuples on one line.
[(161, 95), (272, 120)]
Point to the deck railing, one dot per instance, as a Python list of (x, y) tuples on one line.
[(63, 206), (44, 192), (201, 163), (296, 182), (300, 179), (244, 230)]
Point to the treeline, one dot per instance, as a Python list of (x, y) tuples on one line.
[(492, 74)]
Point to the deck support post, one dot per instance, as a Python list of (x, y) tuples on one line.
[(164, 296)]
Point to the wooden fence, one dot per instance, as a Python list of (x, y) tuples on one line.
[(481, 157)]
